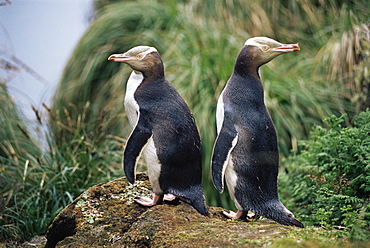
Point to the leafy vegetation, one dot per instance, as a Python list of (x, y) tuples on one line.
[(328, 180), (198, 41)]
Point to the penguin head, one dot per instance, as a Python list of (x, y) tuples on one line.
[(263, 49), (140, 58)]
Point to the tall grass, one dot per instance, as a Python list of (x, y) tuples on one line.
[(13, 144), (198, 42), (38, 178), (13, 140), (40, 186)]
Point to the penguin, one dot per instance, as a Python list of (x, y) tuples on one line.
[(164, 130), (245, 153)]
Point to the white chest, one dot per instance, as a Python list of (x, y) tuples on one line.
[(131, 106)]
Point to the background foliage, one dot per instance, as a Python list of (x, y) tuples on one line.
[(328, 180), (198, 41)]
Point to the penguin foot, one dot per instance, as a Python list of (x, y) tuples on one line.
[(233, 215), (169, 197), (157, 199), (146, 201), (252, 216), (240, 215)]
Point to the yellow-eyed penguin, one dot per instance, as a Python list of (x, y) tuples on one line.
[(245, 152), (163, 129)]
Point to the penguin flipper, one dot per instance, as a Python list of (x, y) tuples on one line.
[(135, 144), (225, 143)]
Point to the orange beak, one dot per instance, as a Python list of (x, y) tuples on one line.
[(119, 57), (287, 48)]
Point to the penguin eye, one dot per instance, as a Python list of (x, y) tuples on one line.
[(140, 56), (265, 48)]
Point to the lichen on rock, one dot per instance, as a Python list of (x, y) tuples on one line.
[(106, 215)]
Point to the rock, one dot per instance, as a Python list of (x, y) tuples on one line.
[(106, 215)]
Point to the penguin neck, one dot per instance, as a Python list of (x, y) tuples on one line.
[(250, 75), (154, 74), (245, 66)]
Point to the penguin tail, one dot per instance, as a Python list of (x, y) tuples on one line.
[(200, 207), (198, 204), (297, 223), (291, 222), (276, 211), (193, 196)]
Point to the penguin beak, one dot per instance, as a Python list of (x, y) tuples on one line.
[(286, 48), (119, 57)]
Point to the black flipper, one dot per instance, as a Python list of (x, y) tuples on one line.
[(135, 144), (225, 142)]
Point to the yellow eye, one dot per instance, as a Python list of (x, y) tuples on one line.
[(139, 56), (265, 48)]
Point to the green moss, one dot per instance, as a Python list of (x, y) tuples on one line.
[(301, 243), (111, 219)]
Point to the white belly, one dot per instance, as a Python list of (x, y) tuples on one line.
[(153, 164), (231, 179), (131, 106), (230, 174)]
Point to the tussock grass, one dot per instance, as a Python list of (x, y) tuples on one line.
[(39, 186), (347, 54), (13, 140)]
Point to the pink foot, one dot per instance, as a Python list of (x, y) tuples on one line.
[(146, 201), (157, 199), (233, 215), (241, 215), (169, 197), (252, 216)]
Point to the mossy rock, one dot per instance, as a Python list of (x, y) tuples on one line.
[(106, 215)]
